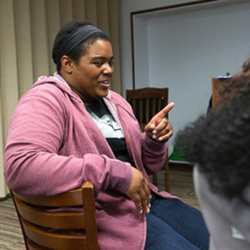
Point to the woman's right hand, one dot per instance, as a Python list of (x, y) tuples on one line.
[(139, 192)]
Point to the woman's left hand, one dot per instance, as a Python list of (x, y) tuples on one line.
[(159, 127)]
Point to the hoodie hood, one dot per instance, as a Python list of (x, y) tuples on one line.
[(240, 211), (235, 211), (57, 80)]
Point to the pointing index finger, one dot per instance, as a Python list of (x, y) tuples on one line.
[(166, 109)]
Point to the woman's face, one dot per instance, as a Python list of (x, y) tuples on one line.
[(92, 75)]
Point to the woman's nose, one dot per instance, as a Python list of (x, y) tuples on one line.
[(108, 69)]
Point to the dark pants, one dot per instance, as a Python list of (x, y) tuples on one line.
[(174, 225)]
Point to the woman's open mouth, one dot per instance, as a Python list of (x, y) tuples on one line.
[(105, 83)]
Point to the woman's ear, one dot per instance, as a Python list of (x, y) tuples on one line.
[(67, 64)]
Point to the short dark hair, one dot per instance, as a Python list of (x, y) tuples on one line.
[(220, 142), (80, 49)]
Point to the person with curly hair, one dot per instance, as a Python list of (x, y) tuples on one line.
[(218, 143)]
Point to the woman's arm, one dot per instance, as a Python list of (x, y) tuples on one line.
[(154, 154), (32, 163)]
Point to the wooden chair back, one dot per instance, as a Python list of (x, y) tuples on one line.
[(66, 221), (146, 102)]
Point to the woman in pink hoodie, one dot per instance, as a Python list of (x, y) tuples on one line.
[(71, 127)]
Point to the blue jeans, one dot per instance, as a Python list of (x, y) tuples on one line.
[(174, 225)]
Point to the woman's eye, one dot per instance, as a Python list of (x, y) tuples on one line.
[(98, 63)]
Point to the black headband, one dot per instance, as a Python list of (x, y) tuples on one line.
[(79, 36)]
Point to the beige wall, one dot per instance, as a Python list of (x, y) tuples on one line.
[(27, 30)]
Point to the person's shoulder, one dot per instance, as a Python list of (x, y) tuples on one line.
[(47, 90), (46, 94)]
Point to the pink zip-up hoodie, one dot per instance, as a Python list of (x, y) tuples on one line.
[(54, 145)]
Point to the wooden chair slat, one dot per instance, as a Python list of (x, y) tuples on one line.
[(53, 219), (154, 106), (54, 240), (158, 105), (33, 246), (133, 103), (72, 198)]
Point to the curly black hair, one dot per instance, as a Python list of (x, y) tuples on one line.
[(246, 66), (220, 144)]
